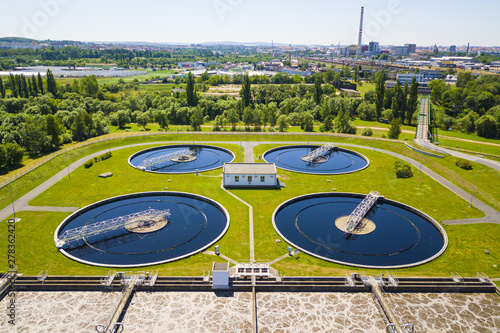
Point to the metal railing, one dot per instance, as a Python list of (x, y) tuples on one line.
[(116, 225), (360, 211), (318, 152)]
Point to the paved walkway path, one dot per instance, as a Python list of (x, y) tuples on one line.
[(250, 222), (490, 163), (492, 216)]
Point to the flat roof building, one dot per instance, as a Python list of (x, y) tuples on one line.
[(249, 175)]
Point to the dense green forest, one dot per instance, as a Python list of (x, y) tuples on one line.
[(38, 114)]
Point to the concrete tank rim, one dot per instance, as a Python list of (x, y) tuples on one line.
[(360, 195), (139, 194), (178, 145), (367, 160)]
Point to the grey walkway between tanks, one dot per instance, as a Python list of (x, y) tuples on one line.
[(492, 216)]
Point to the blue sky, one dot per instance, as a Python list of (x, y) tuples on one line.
[(424, 22)]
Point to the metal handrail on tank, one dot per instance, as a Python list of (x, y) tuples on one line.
[(360, 211), (117, 225), (318, 152), (393, 280), (42, 276), (108, 280), (150, 162)]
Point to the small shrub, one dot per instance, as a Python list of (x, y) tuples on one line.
[(383, 136), (367, 132), (403, 170), (464, 164), (270, 129), (96, 159), (105, 156), (88, 164)]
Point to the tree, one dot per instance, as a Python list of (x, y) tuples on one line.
[(282, 123), (34, 85), (40, 83), (379, 93), (2, 88), (161, 118), (24, 83), (486, 127), (33, 137), (356, 73), (463, 78), (438, 87), (245, 92), (142, 119), (394, 129), (367, 111), (412, 99), (197, 119), (308, 122), (90, 85), (396, 101), (247, 117), (190, 91), (51, 83), (233, 118), (318, 92), (53, 129), (14, 154), (79, 130), (13, 87), (122, 118), (342, 124)]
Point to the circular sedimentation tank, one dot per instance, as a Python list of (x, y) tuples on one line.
[(192, 224), (395, 235), (191, 158), (336, 161)]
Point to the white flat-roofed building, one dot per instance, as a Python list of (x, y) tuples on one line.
[(250, 175)]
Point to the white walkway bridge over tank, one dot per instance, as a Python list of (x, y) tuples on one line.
[(157, 160), (102, 230), (318, 152), (360, 211)]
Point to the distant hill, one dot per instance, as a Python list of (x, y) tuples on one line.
[(17, 39)]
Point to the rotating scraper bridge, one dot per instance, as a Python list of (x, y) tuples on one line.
[(179, 155), (360, 211), (316, 153), (111, 228)]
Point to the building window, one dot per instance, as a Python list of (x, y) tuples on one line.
[(236, 179), (249, 179), (262, 179)]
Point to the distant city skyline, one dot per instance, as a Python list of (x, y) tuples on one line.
[(389, 22)]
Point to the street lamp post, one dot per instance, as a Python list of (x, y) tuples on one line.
[(460, 138), (67, 163), (421, 158), (474, 187)]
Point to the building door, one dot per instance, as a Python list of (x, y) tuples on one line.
[(249, 179)]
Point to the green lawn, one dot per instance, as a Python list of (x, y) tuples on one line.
[(465, 253)]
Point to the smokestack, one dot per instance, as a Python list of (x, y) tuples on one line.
[(468, 45), (358, 53)]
